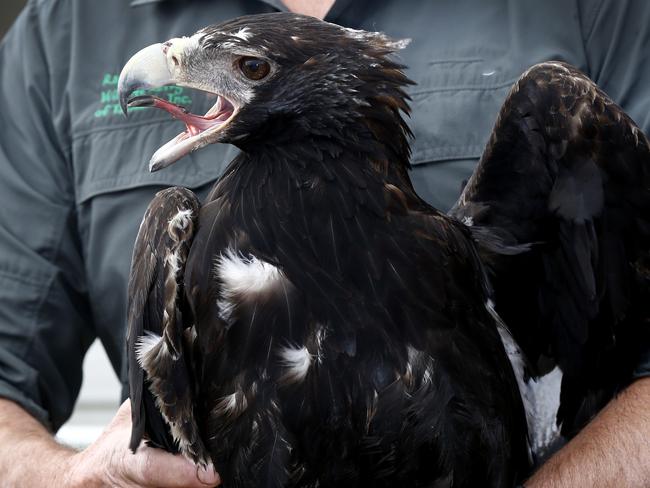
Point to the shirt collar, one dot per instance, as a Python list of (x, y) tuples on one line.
[(136, 3), (337, 8)]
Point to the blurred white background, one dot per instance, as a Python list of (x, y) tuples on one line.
[(97, 403)]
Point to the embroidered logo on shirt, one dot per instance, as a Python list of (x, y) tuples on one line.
[(109, 103)]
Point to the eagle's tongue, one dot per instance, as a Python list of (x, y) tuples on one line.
[(195, 123), (191, 139)]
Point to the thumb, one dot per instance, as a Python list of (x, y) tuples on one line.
[(155, 467), (151, 466), (123, 414)]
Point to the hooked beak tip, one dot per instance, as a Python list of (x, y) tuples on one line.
[(123, 93), (124, 105), (126, 87), (155, 166), (146, 69)]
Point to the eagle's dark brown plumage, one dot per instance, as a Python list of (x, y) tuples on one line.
[(315, 323), (566, 169)]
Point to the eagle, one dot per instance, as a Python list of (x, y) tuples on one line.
[(315, 323)]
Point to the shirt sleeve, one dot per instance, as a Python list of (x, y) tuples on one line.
[(616, 35), (45, 324)]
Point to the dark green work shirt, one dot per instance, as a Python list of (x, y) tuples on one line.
[(73, 171)]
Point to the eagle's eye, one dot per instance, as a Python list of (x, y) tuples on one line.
[(254, 68)]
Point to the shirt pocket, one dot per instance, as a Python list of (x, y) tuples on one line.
[(454, 107), (117, 158)]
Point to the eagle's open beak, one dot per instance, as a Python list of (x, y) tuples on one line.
[(153, 67)]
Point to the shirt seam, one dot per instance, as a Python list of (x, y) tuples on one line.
[(586, 34), (22, 278), (31, 319), (118, 184), (120, 126), (495, 86), (33, 16), (591, 28), (38, 3)]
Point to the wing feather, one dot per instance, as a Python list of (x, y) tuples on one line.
[(160, 379), (567, 174)]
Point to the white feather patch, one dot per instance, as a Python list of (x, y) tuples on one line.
[(427, 376), (244, 34), (181, 220), (546, 394), (297, 362), (541, 398), (356, 34), (361, 35), (400, 43), (419, 365), (321, 334), (184, 444), (468, 221), (143, 346), (232, 405), (228, 45), (226, 308), (246, 275), (143, 349), (172, 260)]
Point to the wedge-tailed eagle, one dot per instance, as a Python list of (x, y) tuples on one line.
[(314, 323)]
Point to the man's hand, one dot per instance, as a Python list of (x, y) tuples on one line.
[(613, 450), (31, 457)]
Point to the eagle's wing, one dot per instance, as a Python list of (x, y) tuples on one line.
[(567, 174), (158, 353)]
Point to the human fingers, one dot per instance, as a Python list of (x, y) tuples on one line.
[(109, 462), (154, 467)]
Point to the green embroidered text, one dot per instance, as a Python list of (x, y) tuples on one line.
[(110, 104)]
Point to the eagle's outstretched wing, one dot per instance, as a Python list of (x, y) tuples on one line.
[(567, 173), (159, 356)]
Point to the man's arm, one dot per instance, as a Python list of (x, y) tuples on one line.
[(612, 450), (31, 457), (23, 437)]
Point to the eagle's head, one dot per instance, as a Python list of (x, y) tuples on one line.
[(278, 78)]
